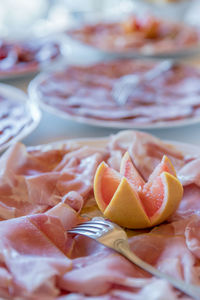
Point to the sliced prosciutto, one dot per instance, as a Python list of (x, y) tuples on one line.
[(34, 181), (46, 190), (139, 33), (86, 93), (33, 251)]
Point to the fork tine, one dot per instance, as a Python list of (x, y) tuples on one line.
[(84, 231), (91, 226)]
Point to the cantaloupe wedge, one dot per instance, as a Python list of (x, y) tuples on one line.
[(126, 199)]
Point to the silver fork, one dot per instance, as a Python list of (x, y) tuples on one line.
[(125, 85), (114, 237)]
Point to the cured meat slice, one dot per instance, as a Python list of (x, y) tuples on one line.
[(98, 277), (85, 93), (40, 260), (34, 181), (190, 204), (190, 173), (67, 215), (34, 250), (145, 150)]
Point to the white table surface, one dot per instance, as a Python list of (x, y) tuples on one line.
[(53, 128)]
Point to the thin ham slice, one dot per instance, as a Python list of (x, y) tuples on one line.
[(164, 255), (190, 203), (189, 173), (98, 277), (150, 289), (73, 199), (193, 236), (146, 151), (31, 182), (156, 289), (45, 191), (67, 215), (34, 250)]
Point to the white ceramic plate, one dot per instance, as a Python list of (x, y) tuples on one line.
[(143, 52), (101, 142), (35, 96), (19, 116), (30, 69)]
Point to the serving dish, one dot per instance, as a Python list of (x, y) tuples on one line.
[(84, 94), (138, 35), (23, 57), (34, 225), (18, 116)]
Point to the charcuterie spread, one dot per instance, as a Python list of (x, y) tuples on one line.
[(144, 34), (20, 57), (18, 115), (85, 93), (46, 190)]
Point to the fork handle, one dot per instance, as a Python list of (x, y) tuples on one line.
[(191, 290)]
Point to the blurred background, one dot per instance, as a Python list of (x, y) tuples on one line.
[(20, 17), (38, 20)]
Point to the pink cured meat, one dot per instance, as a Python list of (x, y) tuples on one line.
[(86, 92), (99, 271), (36, 244), (146, 151), (62, 266), (57, 173), (20, 57), (136, 33)]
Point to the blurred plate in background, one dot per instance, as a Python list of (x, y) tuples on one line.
[(28, 56), (18, 116), (84, 94), (137, 35)]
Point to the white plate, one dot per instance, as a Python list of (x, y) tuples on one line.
[(28, 113), (142, 52), (35, 96), (39, 66), (187, 149), (145, 53)]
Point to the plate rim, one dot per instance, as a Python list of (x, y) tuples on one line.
[(37, 67), (34, 95), (100, 142), (35, 113)]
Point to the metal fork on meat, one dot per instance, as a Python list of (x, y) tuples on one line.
[(126, 84), (114, 237)]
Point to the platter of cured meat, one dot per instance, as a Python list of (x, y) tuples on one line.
[(139, 35), (18, 115), (28, 56), (46, 190), (85, 94)]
